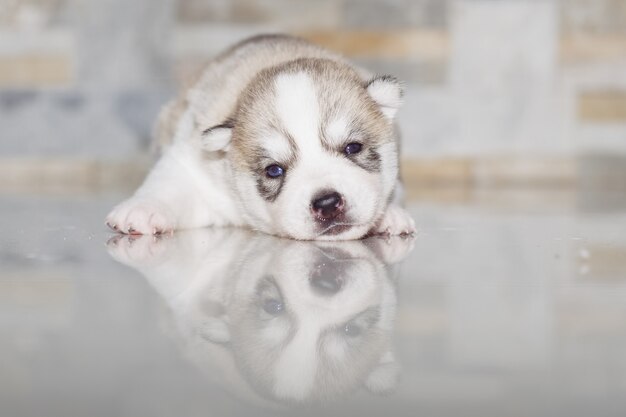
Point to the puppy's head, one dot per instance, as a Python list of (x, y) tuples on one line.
[(313, 149)]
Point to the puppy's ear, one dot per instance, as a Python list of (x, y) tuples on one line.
[(217, 138), (387, 93)]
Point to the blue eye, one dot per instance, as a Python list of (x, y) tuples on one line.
[(274, 171), (352, 148)]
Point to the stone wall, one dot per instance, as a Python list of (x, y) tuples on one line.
[(519, 79)]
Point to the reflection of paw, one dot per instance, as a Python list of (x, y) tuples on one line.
[(136, 250), (395, 222), (141, 217), (391, 250)]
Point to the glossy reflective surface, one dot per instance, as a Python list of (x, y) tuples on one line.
[(486, 312)]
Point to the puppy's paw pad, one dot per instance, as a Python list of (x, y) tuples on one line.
[(141, 217), (395, 222), (137, 250)]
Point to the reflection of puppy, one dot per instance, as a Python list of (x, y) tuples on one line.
[(281, 136), (299, 321)]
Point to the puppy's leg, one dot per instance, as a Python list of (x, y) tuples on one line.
[(172, 197), (396, 220)]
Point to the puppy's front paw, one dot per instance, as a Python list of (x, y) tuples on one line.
[(395, 222), (137, 216)]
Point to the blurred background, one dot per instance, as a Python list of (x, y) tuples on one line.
[(499, 93)]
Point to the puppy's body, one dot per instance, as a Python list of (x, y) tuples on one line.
[(281, 136)]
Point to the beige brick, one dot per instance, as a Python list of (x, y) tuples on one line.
[(602, 106), (607, 262), (437, 171), (407, 44), (126, 175), (37, 58), (439, 194), (36, 71), (515, 183), (70, 174), (582, 48), (524, 171), (422, 72), (495, 171)]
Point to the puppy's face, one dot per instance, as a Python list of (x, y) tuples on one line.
[(313, 150)]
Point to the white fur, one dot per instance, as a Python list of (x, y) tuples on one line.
[(298, 109), (337, 130), (277, 146)]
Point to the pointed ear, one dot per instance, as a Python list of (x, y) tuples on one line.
[(384, 377), (217, 138), (387, 93)]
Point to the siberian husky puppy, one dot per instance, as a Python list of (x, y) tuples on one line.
[(280, 136), (275, 319)]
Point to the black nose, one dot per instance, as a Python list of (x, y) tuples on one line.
[(328, 206)]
